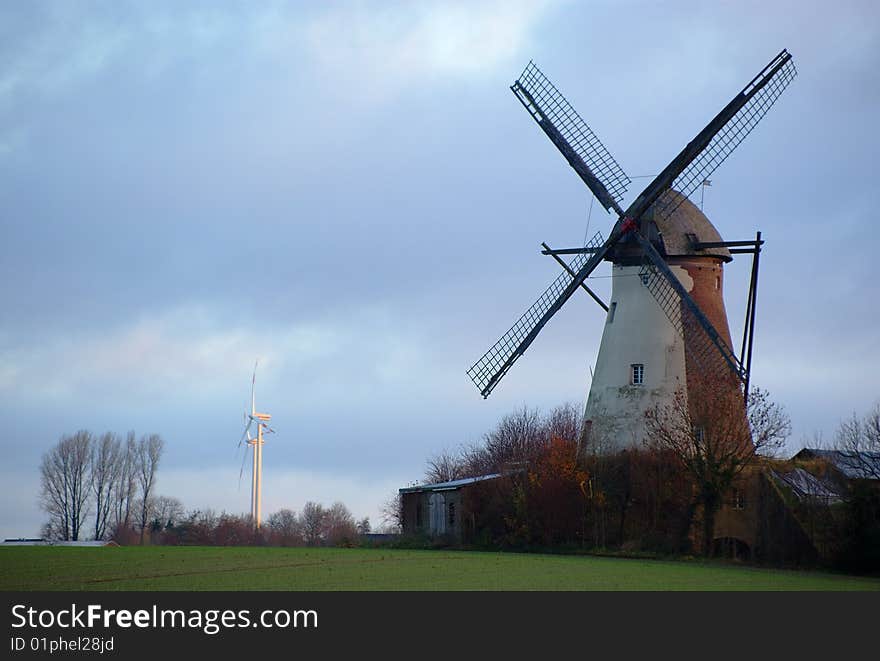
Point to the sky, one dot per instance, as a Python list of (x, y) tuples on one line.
[(350, 193)]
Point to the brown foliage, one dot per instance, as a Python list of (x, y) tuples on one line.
[(234, 530), (518, 440), (555, 496), (714, 434)]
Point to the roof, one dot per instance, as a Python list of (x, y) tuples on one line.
[(807, 486), (853, 465), (687, 224), (449, 486), (46, 542)]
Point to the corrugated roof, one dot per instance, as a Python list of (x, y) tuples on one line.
[(806, 485), (44, 542), (854, 465), (453, 484)]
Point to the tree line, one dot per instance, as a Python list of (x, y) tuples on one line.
[(103, 487), (100, 486), (563, 488), (315, 525)]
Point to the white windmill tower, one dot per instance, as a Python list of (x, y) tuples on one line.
[(649, 351), (666, 327), (256, 444)]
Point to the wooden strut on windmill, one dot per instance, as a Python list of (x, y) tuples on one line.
[(666, 325)]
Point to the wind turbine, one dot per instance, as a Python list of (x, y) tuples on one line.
[(257, 445)]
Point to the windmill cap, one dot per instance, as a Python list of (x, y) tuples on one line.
[(684, 227)]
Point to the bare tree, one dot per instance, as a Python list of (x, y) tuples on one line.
[(285, 528), (104, 464), (149, 451), (340, 528), (858, 441), (445, 467), (872, 428), (518, 438), (392, 513), (769, 424), (564, 422), (125, 489), (166, 512), (312, 520), (715, 435), (64, 484)]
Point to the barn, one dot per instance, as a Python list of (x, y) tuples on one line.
[(437, 510)]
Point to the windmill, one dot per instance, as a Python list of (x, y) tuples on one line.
[(256, 444), (638, 246)]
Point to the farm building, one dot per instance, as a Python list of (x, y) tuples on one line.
[(437, 509), (23, 541), (849, 465), (791, 512), (794, 511)]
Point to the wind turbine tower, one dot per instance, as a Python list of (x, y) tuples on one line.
[(257, 448)]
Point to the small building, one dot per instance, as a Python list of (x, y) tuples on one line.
[(793, 511), (849, 465), (23, 541), (769, 515), (436, 510), (807, 488)]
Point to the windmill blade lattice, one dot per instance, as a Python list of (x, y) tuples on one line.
[(589, 158), (489, 369), (756, 99), (704, 344), (571, 135)]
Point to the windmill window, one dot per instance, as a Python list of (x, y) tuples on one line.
[(611, 311), (738, 501), (717, 282), (637, 374)]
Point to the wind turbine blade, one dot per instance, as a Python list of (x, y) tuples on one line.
[(244, 433), (241, 470), (253, 389)]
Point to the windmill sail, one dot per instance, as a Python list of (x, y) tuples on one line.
[(605, 178), (571, 135), (704, 342), (488, 370), (711, 146)]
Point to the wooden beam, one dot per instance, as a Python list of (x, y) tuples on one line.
[(553, 253)]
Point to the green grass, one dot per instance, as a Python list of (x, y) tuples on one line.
[(212, 568)]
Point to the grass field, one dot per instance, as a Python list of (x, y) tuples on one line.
[(212, 568)]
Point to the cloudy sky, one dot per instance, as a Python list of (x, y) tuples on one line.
[(349, 192)]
